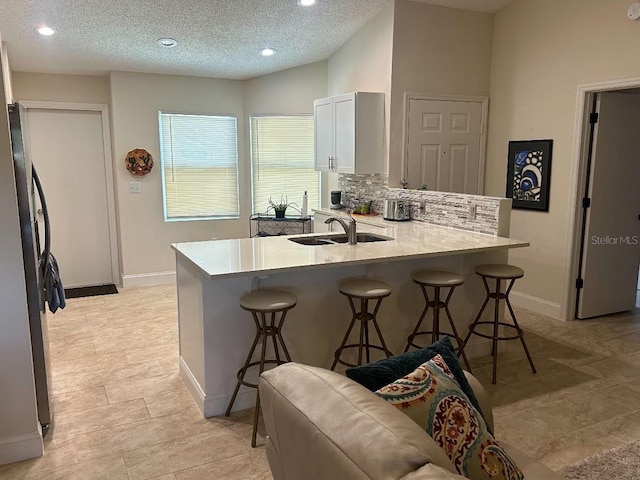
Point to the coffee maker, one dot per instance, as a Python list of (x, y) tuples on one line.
[(336, 200)]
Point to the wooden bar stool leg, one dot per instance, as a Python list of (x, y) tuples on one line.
[(273, 332), (435, 333), (455, 330), (520, 332), (496, 319), (387, 352), (363, 307), (412, 337), (262, 358), (243, 370), (477, 319), (365, 319), (338, 352), (279, 335)]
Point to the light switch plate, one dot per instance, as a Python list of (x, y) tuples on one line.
[(134, 187)]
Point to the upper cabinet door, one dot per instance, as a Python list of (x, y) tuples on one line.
[(344, 133), (350, 133), (323, 113)]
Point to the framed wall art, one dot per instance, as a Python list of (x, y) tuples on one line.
[(529, 173)]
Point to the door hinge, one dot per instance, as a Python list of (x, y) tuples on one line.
[(586, 202), (593, 118), (579, 283)]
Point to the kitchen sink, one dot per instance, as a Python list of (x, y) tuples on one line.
[(311, 241), (338, 238)]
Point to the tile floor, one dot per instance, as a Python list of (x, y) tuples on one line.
[(122, 411)]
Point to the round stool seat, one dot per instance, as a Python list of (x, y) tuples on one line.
[(500, 271), (268, 300), (437, 278), (364, 288)]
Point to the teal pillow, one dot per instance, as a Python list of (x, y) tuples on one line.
[(376, 375)]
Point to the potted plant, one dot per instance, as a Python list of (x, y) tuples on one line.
[(280, 207)]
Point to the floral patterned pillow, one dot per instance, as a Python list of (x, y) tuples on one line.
[(431, 397)]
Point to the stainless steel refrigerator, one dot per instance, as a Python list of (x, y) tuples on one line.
[(35, 255)]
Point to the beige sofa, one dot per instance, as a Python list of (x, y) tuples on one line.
[(321, 425)]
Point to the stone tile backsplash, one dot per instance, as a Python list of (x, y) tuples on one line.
[(440, 208), (362, 188)]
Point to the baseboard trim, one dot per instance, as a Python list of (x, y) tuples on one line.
[(145, 279), (21, 447), (536, 304), (214, 406)]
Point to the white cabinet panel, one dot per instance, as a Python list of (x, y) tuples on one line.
[(323, 113), (350, 133)]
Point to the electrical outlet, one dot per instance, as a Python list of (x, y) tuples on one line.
[(471, 214), (134, 187)]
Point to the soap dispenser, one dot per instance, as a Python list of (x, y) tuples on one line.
[(303, 211)]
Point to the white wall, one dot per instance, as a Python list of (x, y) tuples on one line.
[(136, 100), (6, 73), (436, 50), (542, 51), (19, 432), (363, 64), (46, 87), (287, 92)]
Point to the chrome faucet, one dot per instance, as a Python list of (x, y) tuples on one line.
[(349, 229)]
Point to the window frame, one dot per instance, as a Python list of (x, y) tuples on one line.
[(166, 218), (250, 157)]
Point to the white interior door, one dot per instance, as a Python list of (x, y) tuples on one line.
[(68, 152), (443, 145), (611, 252)]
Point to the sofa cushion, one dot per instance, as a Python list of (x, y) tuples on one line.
[(324, 426), (431, 397), (376, 375)]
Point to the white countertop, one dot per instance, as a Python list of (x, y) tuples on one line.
[(264, 255)]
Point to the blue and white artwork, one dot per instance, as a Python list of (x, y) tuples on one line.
[(527, 175)]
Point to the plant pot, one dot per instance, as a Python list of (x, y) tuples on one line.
[(280, 213)]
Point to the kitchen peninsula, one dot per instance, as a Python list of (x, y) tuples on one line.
[(215, 333)]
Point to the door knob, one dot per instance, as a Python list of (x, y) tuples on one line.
[(39, 211)]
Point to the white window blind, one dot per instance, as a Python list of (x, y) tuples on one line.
[(282, 157), (199, 155)]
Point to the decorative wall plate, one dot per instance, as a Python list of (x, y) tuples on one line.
[(139, 162)]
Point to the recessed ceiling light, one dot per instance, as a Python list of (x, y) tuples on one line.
[(46, 31), (306, 3), (167, 42), (267, 52)]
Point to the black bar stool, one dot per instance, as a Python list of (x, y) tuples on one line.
[(363, 289), (260, 303), (498, 272), (438, 280)]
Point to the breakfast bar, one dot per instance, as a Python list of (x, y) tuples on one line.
[(214, 332)]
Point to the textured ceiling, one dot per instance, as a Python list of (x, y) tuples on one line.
[(217, 38), (489, 6)]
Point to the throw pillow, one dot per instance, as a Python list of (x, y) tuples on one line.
[(431, 397), (378, 374)]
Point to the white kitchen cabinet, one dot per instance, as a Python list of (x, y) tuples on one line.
[(349, 133)]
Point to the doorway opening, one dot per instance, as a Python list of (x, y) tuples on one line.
[(71, 146), (605, 252)]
